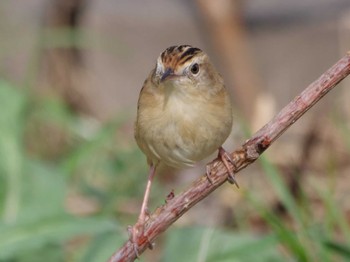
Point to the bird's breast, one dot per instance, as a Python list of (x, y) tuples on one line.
[(180, 130)]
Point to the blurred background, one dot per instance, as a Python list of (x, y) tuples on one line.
[(72, 177)]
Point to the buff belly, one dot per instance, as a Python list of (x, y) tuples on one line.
[(184, 136)]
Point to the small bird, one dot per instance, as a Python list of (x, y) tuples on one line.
[(184, 114)]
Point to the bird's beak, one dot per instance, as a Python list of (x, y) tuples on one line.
[(168, 72)]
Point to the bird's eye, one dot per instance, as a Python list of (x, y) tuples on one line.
[(194, 69)]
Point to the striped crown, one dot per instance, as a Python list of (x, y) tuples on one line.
[(178, 55)]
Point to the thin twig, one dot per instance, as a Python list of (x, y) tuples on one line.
[(167, 214)]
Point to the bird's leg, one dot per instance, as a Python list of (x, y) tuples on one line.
[(225, 158), (144, 207), (138, 229)]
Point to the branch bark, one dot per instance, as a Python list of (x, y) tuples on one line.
[(167, 214)]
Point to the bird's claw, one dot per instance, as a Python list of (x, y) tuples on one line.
[(208, 173), (135, 233), (226, 158), (133, 236)]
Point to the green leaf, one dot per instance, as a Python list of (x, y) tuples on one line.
[(11, 121), (207, 244), (281, 189), (23, 237), (338, 248), (103, 246), (285, 235), (43, 192)]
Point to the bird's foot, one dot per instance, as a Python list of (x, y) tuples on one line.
[(134, 234), (137, 233), (227, 160), (208, 172)]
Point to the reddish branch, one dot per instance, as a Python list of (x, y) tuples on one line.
[(167, 214)]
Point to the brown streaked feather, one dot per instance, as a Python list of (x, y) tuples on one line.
[(190, 52), (178, 55)]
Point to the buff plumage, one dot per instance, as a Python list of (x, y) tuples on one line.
[(184, 114)]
